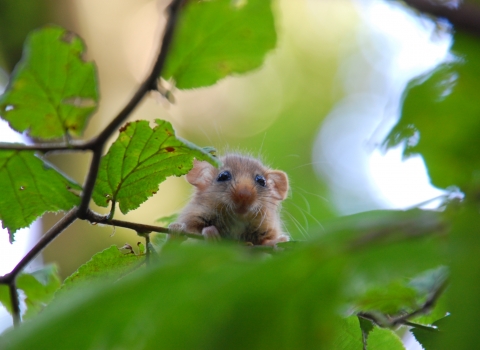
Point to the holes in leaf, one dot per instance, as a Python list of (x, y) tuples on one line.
[(9, 108), (68, 37)]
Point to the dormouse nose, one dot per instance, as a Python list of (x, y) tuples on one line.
[(244, 194), (243, 197)]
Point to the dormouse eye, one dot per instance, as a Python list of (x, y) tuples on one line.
[(224, 176), (259, 179)]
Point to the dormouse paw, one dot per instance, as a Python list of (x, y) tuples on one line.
[(175, 231), (211, 234), (273, 242), (176, 227)]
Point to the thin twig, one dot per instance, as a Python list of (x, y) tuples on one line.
[(96, 145), (51, 234), (389, 322), (90, 181), (140, 228), (149, 84), (47, 147), (15, 302)]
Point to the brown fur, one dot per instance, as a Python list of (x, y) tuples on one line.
[(238, 209)]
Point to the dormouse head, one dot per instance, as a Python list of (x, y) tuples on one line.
[(243, 183)]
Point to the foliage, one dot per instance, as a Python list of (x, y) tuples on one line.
[(39, 288), (52, 91), (31, 187), (346, 288), (219, 38), (139, 160)]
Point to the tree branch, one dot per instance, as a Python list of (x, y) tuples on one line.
[(96, 145), (388, 322), (465, 17), (140, 228), (15, 302), (46, 147)]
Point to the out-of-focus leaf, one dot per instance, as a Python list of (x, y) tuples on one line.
[(405, 242), (218, 38), (382, 339), (39, 288), (215, 294), (366, 326), (440, 118), (30, 188), (167, 220), (107, 265), (464, 281), (349, 334), (429, 281), (5, 297), (17, 21), (389, 299), (431, 338), (139, 160), (52, 91)]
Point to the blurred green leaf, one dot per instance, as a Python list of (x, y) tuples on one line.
[(366, 326), (167, 220), (17, 21), (139, 160), (52, 91), (107, 265), (430, 281), (30, 188), (387, 245), (388, 299), (5, 297), (198, 297), (382, 339), (464, 281), (39, 288), (219, 38), (349, 334), (440, 118), (431, 338)]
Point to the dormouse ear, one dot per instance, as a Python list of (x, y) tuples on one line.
[(277, 181), (201, 174)]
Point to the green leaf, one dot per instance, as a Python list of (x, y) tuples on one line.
[(349, 335), (5, 297), (440, 118), (53, 91), (431, 337), (139, 160), (384, 246), (366, 326), (426, 284), (218, 38), (382, 338), (167, 220), (430, 281), (39, 288), (198, 297), (388, 299), (30, 188), (107, 265)]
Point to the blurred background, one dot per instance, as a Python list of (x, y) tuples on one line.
[(319, 107)]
